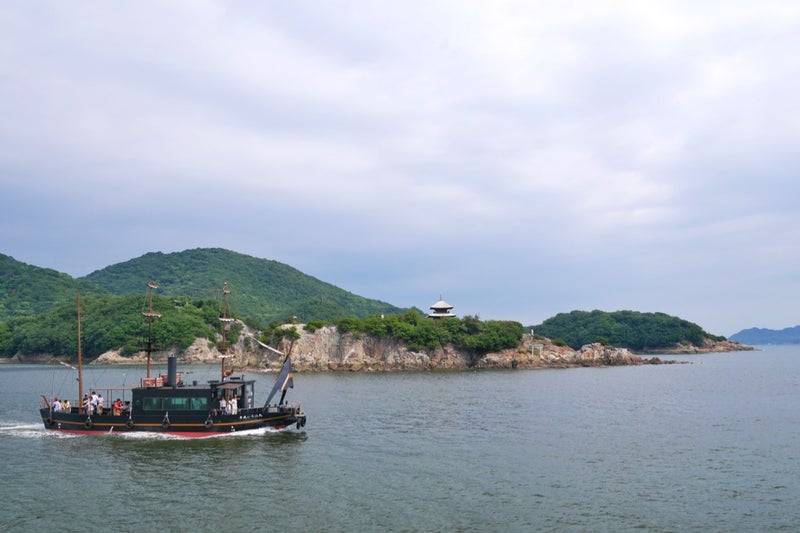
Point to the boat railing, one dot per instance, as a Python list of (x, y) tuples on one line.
[(284, 408), (76, 407), (250, 411), (273, 409)]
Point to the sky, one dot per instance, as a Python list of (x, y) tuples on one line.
[(519, 159)]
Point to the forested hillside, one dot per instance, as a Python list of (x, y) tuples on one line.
[(110, 323), (627, 329), (27, 290), (38, 310), (261, 289)]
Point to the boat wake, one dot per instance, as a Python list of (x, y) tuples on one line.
[(25, 431), (152, 435), (36, 431), (13, 427)]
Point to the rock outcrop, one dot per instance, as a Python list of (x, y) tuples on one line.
[(709, 346), (327, 350)]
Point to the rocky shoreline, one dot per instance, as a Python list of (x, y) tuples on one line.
[(326, 350)]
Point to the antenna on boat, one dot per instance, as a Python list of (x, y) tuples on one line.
[(225, 320), (80, 361), (150, 315)]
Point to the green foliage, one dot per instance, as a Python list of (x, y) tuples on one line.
[(262, 290), (314, 325), (277, 331), (468, 333), (628, 329), (347, 325), (37, 305), (602, 340), (27, 290), (111, 323)]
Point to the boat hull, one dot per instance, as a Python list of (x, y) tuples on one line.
[(186, 425)]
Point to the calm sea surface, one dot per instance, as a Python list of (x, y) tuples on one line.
[(708, 446)]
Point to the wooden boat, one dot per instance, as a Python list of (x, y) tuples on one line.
[(166, 404)]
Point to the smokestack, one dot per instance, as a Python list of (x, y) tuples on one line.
[(172, 371)]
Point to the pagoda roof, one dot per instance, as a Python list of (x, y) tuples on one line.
[(441, 304)]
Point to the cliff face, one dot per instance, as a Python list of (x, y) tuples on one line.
[(326, 350)]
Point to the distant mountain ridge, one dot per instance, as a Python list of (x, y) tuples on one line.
[(768, 336)]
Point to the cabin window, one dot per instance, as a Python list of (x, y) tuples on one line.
[(199, 404), (249, 396), (176, 404), (152, 404)]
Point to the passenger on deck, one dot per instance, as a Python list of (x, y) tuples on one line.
[(126, 408), (116, 407), (93, 401), (56, 405), (223, 406), (88, 408), (100, 403), (65, 406), (233, 405)]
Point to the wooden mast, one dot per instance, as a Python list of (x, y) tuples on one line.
[(80, 358), (150, 315), (225, 320)]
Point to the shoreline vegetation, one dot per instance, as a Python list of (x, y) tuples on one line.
[(326, 349)]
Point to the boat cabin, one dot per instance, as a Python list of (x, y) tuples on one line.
[(197, 398)]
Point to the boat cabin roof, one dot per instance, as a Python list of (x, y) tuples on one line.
[(230, 385)]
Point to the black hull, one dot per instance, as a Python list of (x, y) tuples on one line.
[(187, 425)]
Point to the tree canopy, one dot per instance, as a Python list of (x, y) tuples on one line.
[(627, 329), (112, 323), (419, 333), (262, 289)]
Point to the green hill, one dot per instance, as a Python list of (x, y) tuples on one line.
[(261, 289), (38, 315), (626, 329), (27, 290)]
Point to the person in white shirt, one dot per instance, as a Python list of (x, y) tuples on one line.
[(56, 405), (233, 405), (93, 401), (223, 406)]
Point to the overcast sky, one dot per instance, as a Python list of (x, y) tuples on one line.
[(520, 159)]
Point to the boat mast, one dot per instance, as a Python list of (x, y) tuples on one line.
[(150, 315), (80, 359), (225, 320)]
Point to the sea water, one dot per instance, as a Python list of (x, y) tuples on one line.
[(712, 445)]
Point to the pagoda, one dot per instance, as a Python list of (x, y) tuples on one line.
[(441, 309)]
